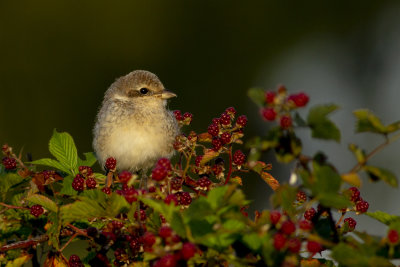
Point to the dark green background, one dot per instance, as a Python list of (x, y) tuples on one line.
[(58, 57)]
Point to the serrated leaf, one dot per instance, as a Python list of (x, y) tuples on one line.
[(368, 122), (209, 154), (90, 159), (257, 95), (52, 163), (233, 225), (284, 196), (198, 209), (382, 174), (67, 186), (383, 217), (327, 180), (62, 147), (352, 178), (7, 180), (44, 201), (321, 126), (270, 180)]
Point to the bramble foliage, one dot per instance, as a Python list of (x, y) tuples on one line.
[(191, 212)]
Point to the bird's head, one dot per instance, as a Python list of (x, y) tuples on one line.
[(139, 86)]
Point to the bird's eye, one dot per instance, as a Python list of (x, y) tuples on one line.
[(144, 91)]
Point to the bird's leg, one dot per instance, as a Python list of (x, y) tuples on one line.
[(143, 179)]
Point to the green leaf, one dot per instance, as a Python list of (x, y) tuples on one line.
[(234, 225), (171, 214), (7, 180), (216, 195), (95, 204), (284, 196), (67, 186), (393, 127), (381, 174), (321, 126), (368, 122), (44, 201), (253, 241), (199, 228), (383, 217), (333, 200), (358, 153), (52, 163), (299, 120), (327, 180), (62, 147), (54, 230), (257, 95), (90, 159), (198, 209)]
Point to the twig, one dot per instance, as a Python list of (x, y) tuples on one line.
[(25, 243), (69, 241), (13, 207)]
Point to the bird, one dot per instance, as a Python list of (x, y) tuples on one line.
[(133, 124)]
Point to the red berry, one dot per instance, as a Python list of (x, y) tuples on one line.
[(217, 144), (216, 121), (226, 138), (130, 194), (91, 183), (106, 190), (85, 170), (48, 174), (231, 111), (301, 196), (167, 261), (118, 254), (185, 198), (279, 241), (9, 163), (238, 157), (294, 245), (198, 159), (300, 99), (165, 232), (351, 223), (204, 182), (213, 129), (309, 214), (393, 236), (288, 227), (305, 225), (111, 163), (188, 117), (217, 169), (135, 245), (268, 113), (78, 183), (149, 239), (171, 198), (164, 162), (37, 210), (117, 225), (241, 121), (354, 194), (176, 183), (188, 250), (159, 173), (362, 206), (225, 119), (109, 235), (152, 189), (75, 261), (178, 115), (314, 247), (124, 176), (143, 215), (270, 97), (286, 122), (275, 216)]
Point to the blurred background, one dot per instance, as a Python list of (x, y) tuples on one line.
[(59, 57)]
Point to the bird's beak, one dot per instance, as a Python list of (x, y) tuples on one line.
[(167, 95)]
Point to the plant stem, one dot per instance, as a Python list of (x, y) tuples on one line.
[(13, 207), (375, 151), (230, 165)]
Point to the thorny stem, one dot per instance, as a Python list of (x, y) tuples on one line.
[(230, 165), (388, 141), (340, 219), (25, 243), (188, 161)]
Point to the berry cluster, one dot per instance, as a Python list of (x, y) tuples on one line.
[(85, 178), (184, 119), (9, 162), (278, 105), (36, 210)]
